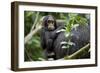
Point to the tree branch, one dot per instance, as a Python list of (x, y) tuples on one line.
[(33, 31), (79, 53), (29, 36), (36, 19)]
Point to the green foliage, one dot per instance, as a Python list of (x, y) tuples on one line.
[(74, 20), (33, 50), (28, 21)]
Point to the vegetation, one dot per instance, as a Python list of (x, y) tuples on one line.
[(32, 21)]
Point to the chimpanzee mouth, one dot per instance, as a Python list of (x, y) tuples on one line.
[(51, 29)]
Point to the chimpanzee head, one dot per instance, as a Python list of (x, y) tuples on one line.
[(49, 23)]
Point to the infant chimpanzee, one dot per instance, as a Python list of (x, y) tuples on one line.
[(54, 42)]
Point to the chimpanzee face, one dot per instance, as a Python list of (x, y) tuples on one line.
[(51, 23)]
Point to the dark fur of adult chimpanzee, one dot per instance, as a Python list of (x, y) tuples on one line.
[(80, 37), (48, 35), (53, 40)]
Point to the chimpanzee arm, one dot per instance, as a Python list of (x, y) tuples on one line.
[(60, 29), (42, 36)]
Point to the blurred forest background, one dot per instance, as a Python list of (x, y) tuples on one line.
[(32, 26)]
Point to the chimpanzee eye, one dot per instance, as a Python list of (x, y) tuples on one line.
[(49, 21)]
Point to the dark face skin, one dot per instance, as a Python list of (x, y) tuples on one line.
[(50, 23)]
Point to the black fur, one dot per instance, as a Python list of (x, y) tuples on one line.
[(48, 37), (80, 37), (51, 40)]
